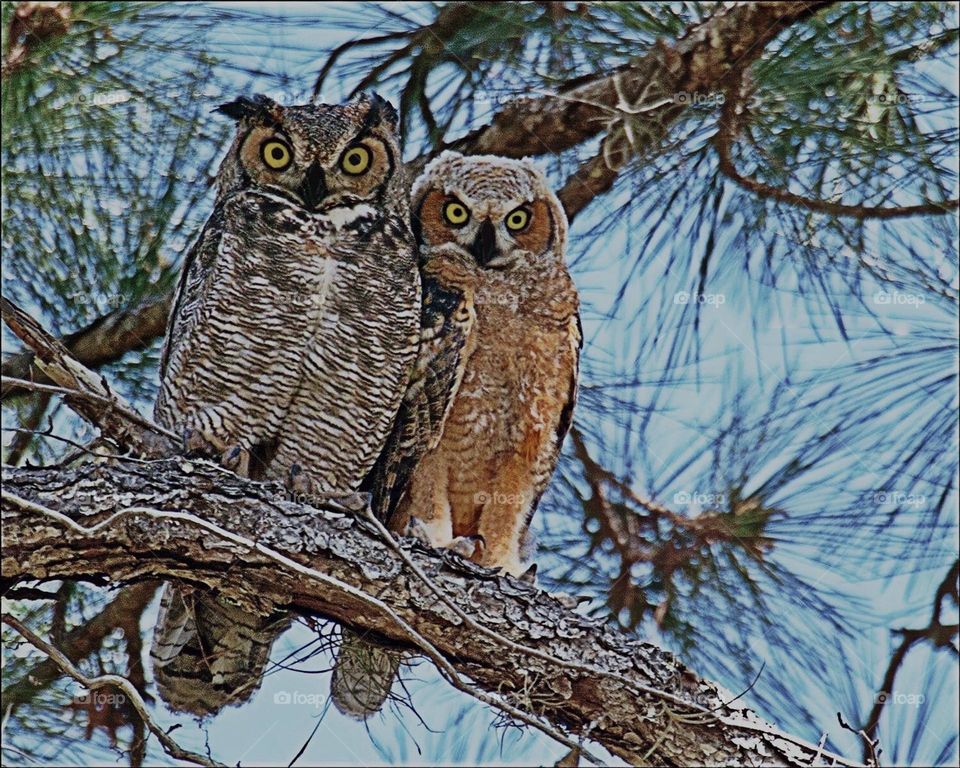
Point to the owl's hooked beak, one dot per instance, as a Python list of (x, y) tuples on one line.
[(314, 187), (484, 248)]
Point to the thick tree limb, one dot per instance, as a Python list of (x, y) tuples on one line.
[(687, 723), (636, 105)]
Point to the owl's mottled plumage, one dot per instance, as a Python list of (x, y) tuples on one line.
[(297, 317), (491, 398)]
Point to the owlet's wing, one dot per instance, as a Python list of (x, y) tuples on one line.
[(447, 318)]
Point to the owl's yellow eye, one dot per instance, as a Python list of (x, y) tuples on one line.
[(456, 213), (276, 154), (355, 160), (518, 219)]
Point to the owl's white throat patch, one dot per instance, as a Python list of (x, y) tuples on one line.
[(344, 216)]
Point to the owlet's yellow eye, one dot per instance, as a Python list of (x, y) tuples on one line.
[(456, 213), (276, 154), (518, 219), (355, 160)]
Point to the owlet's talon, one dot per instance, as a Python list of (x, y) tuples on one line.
[(529, 575), (299, 483), (468, 547)]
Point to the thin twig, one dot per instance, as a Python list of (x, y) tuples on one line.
[(127, 413), (91, 683)]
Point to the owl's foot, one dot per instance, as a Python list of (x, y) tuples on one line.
[(305, 490), (197, 443), (237, 460), (234, 457), (468, 547)]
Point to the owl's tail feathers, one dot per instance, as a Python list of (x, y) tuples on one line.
[(207, 652), (363, 675)]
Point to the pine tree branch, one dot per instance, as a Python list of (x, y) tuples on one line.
[(665, 77), (179, 509)]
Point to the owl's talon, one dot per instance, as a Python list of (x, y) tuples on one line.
[(530, 575), (415, 529), (358, 501), (304, 490), (193, 442), (237, 460)]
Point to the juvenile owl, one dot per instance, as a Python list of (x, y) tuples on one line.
[(294, 328), (491, 398), (491, 230)]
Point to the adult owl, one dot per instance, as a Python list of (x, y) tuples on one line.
[(491, 399), (293, 332)]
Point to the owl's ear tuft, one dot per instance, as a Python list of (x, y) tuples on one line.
[(381, 111), (260, 108)]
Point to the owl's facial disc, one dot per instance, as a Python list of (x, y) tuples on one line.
[(492, 233), (318, 156)]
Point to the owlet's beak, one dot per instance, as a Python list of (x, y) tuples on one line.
[(484, 248)]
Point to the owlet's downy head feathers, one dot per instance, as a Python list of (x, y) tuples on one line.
[(317, 156), (497, 213)]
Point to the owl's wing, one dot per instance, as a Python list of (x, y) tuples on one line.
[(447, 317), (566, 414), (198, 267)]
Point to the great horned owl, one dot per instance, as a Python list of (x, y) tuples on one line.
[(295, 323), (491, 398)]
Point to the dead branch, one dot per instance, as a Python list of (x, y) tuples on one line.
[(114, 681), (85, 392)]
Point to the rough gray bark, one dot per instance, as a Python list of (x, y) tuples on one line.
[(631, 712)]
